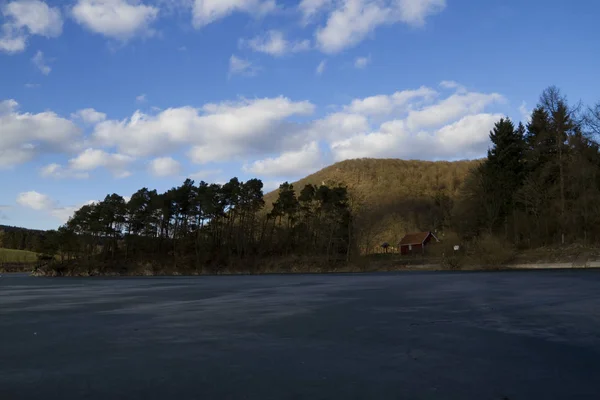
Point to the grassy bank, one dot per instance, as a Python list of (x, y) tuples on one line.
[(17, 260), (490, 259), (490, 256), (17, 256), (275, 265)]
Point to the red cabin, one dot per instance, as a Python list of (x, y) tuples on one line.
[(415, 242)]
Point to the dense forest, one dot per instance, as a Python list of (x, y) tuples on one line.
[(200, 227), (13, 237), (539, 185)]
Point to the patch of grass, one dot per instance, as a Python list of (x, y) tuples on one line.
[(17, 256), (558, 254)]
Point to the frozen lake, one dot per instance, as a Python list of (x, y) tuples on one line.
[(504, 335)]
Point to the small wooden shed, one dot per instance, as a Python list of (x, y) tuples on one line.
[(415, 242)]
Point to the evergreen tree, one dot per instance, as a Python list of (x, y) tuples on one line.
[(488, 202), (504, 167)]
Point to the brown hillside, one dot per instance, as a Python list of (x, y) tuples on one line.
[(394, 196)]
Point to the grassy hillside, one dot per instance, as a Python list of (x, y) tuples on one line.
[(393, 196), (16, 256), (386, 181)]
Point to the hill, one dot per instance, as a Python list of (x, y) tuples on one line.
[(14, 237), (391, 196), (9, 228)]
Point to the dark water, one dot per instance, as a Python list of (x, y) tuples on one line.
[(515, 335)]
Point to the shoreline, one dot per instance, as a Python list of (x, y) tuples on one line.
[(344, 270)]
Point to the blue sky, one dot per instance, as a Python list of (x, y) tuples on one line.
[(103, 96)]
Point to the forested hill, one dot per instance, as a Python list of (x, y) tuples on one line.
[(385, 181), (394, 196), (14, 237), (9, 228)]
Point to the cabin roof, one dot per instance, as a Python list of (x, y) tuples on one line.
[(414, 238)]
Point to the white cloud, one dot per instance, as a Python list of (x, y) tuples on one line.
[(24, 135), (41, 64), (8, 106), (362, 62), (321, 67), (35, 16), (452, 85), (349, 24), (385, 104), (413, 123), (466, 138), (414, 12), (89, 116), (451, 108), (269, 136), (32, 85), (50, 170), (203, 154), (338, 125), (309, 8), (116, 19), (91, 159), (141, 98), (24, 18), (449, 84), (12, 40), (57, 171), (239, 66), (274, 43), (164, 166), (212, 133), (350, 21), (289, 163), (42, 202), (380, 104), (207, 11), (34, 200)]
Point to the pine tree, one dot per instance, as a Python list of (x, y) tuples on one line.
[(502, 173), (551, 126), (540, 143)]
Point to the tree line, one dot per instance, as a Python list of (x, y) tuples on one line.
[(540, 183), (12, 237), (197, 226)]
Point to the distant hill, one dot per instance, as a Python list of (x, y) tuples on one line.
[(9, 228), (14, 237), (394, 196)]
